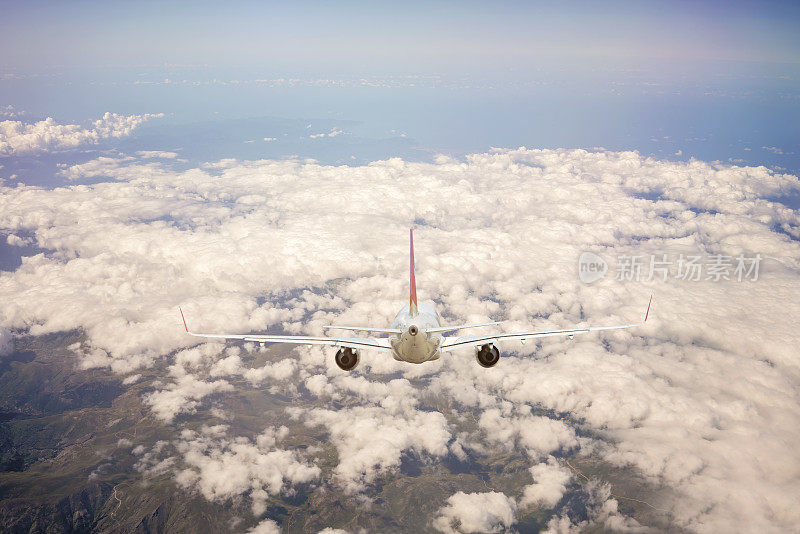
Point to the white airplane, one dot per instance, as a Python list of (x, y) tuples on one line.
[(415, 335)]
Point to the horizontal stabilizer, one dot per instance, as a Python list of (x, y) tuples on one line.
[(459, 327), (368, 329)]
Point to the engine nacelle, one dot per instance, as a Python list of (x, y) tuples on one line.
[(347, 359), (487, 355)]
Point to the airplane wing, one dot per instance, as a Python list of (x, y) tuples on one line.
[(380, 344), (450, 343)]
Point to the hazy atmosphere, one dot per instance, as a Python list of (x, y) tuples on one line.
[(259, 166)]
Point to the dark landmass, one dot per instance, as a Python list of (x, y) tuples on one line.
[(62, 468)]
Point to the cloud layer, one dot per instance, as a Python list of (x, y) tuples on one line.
[(703, 400), (17, 137)]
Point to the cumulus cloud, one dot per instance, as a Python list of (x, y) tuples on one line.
[(10, 112), (185, 393), (333, 132), (538, 436), (267, 526), (549, 484), (476, 512), (232, 365), (132, 379), (221, 468), (17, 241), (371, 439), (703, 399), (602, 509), (157, 154), (195, 375), (17, 137)]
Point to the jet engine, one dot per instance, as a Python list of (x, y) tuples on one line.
[(487, 355), (347, 358)]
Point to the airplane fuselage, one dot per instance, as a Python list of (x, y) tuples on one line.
[(415, 344)]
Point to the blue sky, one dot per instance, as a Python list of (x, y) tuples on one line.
[(393, 36), (712, 80)]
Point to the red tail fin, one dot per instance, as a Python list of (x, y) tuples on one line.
[(413, 303)]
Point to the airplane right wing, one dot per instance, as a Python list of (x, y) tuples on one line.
[(450, 343)]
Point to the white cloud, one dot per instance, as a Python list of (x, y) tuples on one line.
[(132, 379), (157, 154), (222, 468), (17, 137), (9, 112), (16, 241), (601, 510), (333, 132), (476, 512), (232, 365), (372, 439), (538, 436), (703, 399), (183, 396), (267, 526), (549, 484)]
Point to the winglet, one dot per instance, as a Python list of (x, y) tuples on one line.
[(648, 309), (413, 302), (184, 320)]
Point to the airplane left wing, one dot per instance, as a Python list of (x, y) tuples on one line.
[(450, 343), (380, 344)]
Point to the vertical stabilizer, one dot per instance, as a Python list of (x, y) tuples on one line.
[(413, 304)]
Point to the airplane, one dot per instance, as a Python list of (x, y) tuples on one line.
[(415, 335)]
